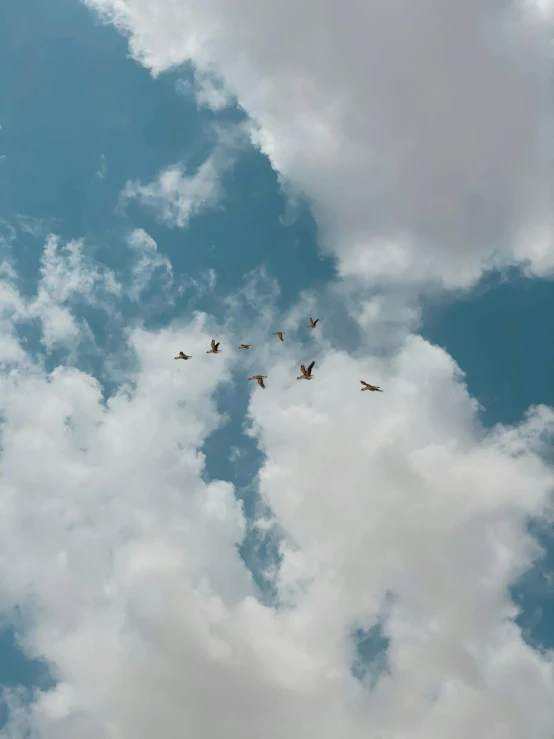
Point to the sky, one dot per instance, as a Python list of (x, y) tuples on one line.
[(183, 553)]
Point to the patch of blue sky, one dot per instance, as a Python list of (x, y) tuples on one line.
[(17, 671), (370, 659), (80, 119)]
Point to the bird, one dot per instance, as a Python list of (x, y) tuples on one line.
[(373, 388), (280, 334), (245, 346), (260, 379), (313, 323), (214, 349), (306, 373), (182, 355)]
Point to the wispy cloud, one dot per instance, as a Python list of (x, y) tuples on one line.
[(148, 263), (208, 90), (102, 170), (176, 196)]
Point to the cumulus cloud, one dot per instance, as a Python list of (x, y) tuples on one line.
[(397, 509), (421, 132), (176, 196)]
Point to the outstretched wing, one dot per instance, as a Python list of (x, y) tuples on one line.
[(302, 369), (315, 322), (365, 383), (310, 368), (261, 382), (213, 343), (216, 346)]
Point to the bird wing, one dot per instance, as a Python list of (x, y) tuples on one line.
[(315, 322), (216, 347), (281, 335), (302, 369), (261, 382), (365, 383), (213, 343), (310, 368)]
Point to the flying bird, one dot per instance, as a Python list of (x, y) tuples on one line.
[(306, 373), (373, 388), (313, 323), (214, 349), (182, 355), (260, 379), (280, 334), (245, 346)]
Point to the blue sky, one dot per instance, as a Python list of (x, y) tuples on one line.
[(79, 119)]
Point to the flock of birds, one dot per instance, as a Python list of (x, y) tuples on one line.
[(306, 372)]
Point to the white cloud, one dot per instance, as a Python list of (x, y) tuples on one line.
[(176, 196), (396, 507), (102, 170), (208, 91), (403, 495), (67, 275), (148, 263), (422, 133)]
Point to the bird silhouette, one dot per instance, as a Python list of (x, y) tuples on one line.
[(182, 355), (306, 373), (245, 346), (373, 388), (313, 323), (260, 379), (214, 349), (280, 334)]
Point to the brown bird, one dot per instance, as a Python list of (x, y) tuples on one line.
[(306, 373), (280, 334), (260, 379), (245, 346), (214, 349), (313, 323), (373, 388), (182, 355)]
